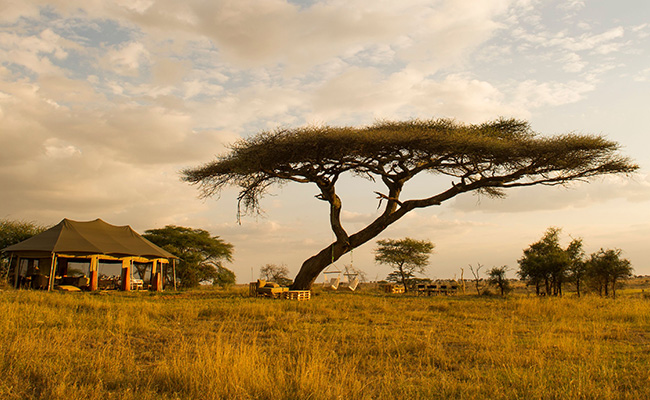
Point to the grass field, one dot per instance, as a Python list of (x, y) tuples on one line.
[(210, 344)]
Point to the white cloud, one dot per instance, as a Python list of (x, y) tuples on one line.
[(533, 94), (56, 148), (573, 63), (643, 76), (126, 59), (33, 52)]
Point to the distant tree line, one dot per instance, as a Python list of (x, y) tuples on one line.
[(548, 267)]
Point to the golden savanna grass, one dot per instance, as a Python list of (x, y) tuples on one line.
[(209, 344)]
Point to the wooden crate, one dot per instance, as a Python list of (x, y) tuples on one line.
[(252, 289), (390, 288), (299, 295)]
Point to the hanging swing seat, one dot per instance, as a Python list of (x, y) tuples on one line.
[(353, 284), (332, 283)]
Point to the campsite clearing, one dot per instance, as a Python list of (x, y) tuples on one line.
[(364, 345)]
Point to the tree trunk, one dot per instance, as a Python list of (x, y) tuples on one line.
[(401, 272), (314, 265)]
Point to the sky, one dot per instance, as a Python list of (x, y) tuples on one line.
[(103, 103)]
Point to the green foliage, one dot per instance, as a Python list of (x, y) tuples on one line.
[(505, 148), (546, 264), (605, 269), (201, 255), (224, 277), (406, 256), (276, 273), (13, 232), (577, 264), (497, 277)]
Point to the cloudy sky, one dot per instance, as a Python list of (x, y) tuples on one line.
[(102, 103)]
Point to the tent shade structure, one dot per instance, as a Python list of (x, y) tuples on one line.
[(75, 241)]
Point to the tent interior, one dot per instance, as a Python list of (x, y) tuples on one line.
[(34, 273)]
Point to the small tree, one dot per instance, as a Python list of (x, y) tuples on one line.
[(577, 265), (497, 277), (606, 268), (201, 254), (477, 277), (545, 263), (406, 256), (276, 273), (13, 232)]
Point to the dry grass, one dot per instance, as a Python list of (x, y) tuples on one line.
[(211, 345)]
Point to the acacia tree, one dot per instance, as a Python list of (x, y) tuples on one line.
[(606, 268), (546, 263), (406, 256), (497, 277), (486, 158), (276, 273), (201, 254)]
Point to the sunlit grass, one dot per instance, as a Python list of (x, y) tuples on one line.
[(210, 344)]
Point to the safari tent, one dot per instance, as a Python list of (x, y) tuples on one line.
[(44, 261)]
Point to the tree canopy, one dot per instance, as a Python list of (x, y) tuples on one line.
[(486, 158), (606, 268), (12, 232), (406, 256), (546, 263), (497, 277), (276, 273), (201, 254)]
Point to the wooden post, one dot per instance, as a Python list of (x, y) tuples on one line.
[(17, 272), (94, 275), (11, 256), (156, 284), (50, 284), (126, 274), (174, 269)]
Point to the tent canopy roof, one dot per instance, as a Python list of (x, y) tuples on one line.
[(90, 237)]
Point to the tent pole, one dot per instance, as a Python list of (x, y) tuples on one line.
[(174, 270), (11, 256), (50, 284), (16, 272)]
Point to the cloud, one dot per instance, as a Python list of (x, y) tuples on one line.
[(126, 59), (643, 75), (532, 94), (33, 52)]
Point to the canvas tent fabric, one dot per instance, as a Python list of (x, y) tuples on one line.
[(86, 238)]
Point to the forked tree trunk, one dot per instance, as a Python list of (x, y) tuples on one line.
[(314, 265)]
